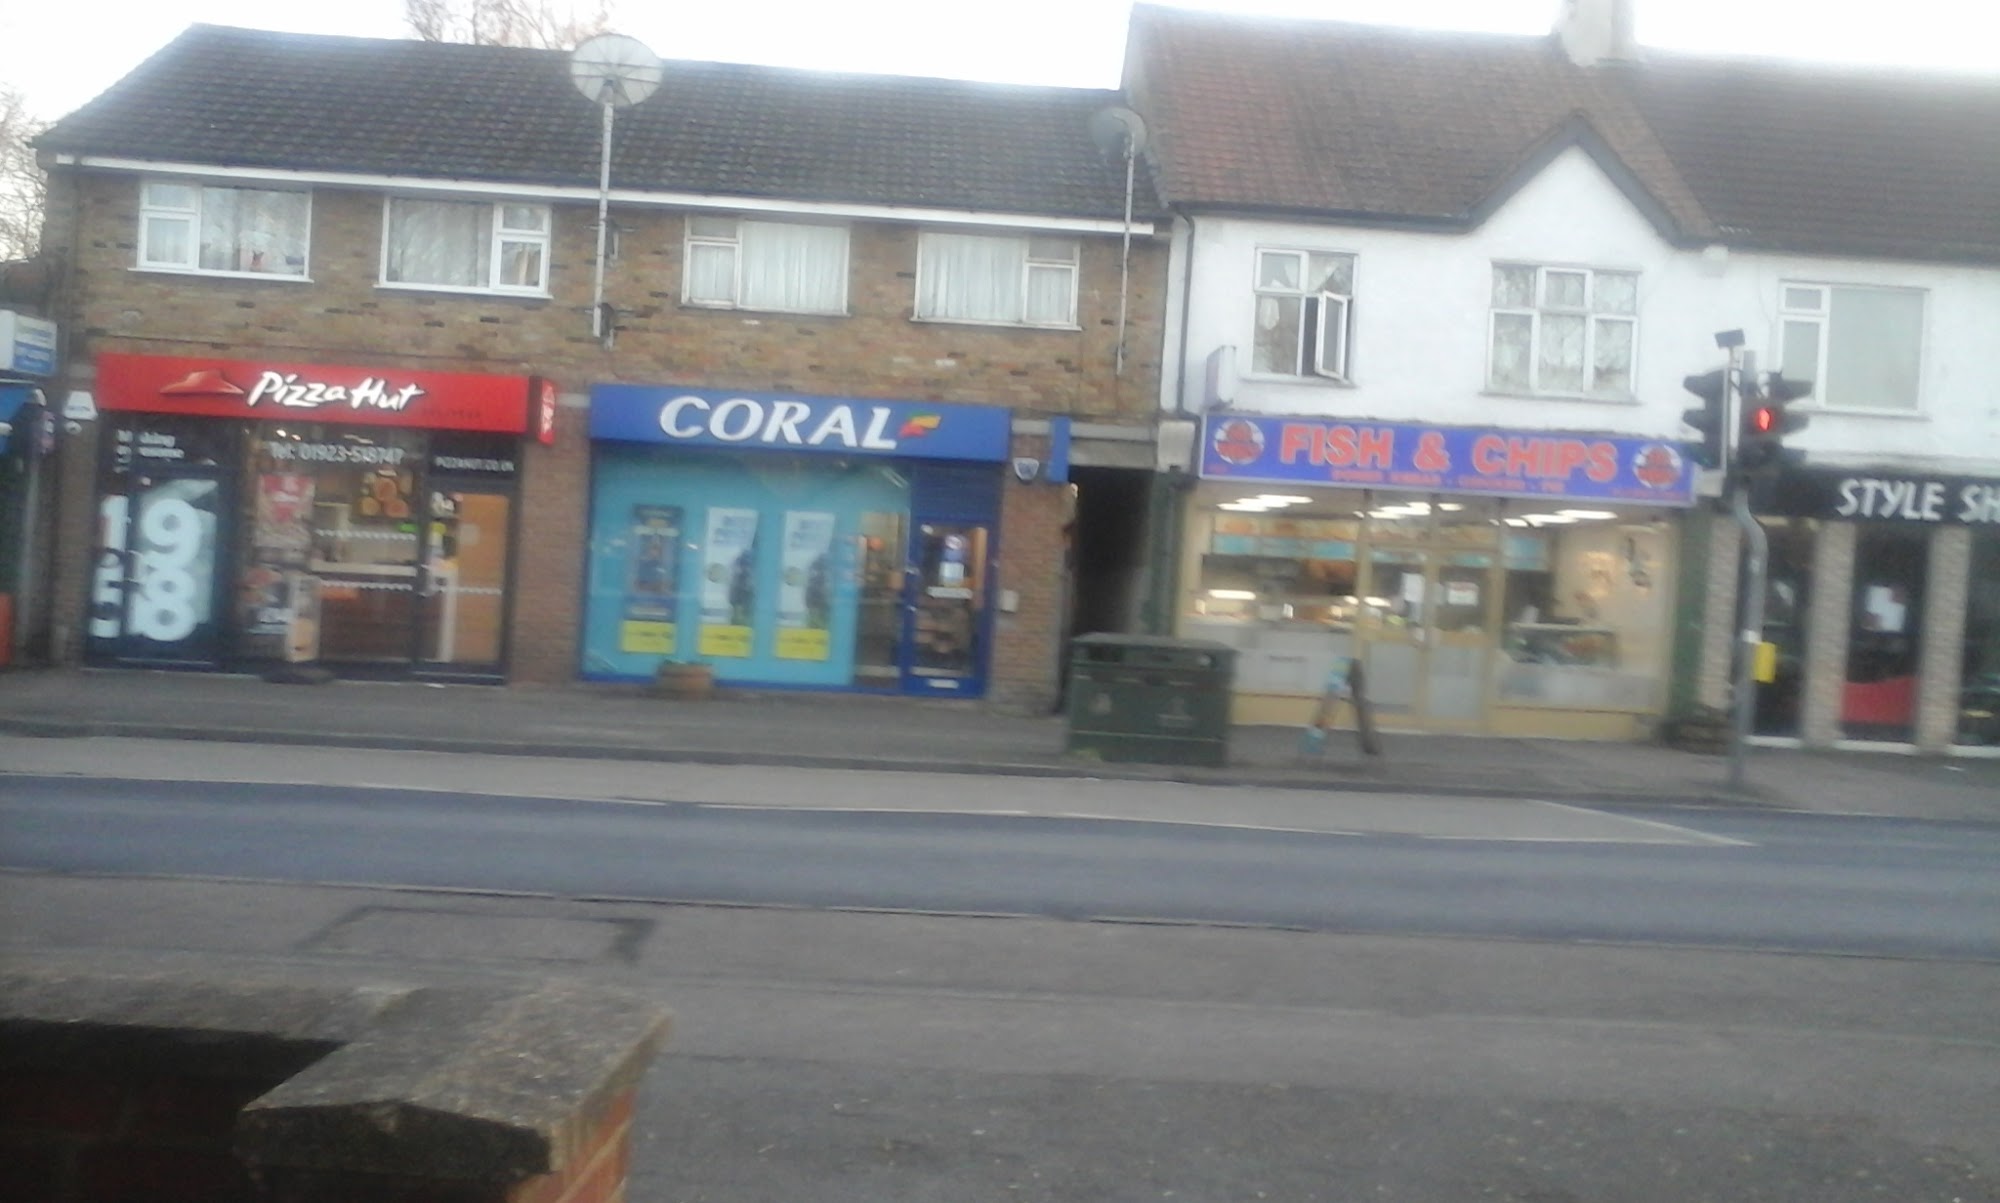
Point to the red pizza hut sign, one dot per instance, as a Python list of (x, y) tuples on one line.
[(362, 396)]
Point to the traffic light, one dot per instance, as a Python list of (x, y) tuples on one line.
[(1767, 419), (1711, 419)]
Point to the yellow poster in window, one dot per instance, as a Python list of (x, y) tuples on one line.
[(643, 638)]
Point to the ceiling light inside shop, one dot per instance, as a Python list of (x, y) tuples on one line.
[(1548, 519), (1587, 515), (1281, 499), (1517, 522), (1450, 507), (1244, 507), (1232, 595)]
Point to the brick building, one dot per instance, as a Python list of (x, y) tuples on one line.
[(873, 354)]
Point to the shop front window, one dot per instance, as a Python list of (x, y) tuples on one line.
[(786, 570), (329, 570), (1587, 606), (1879, 700), (1979, 696)]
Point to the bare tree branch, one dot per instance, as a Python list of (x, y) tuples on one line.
[(23, 187), (550, 24)]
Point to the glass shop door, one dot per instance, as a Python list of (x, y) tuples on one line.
[(463, 587), (945, 606)]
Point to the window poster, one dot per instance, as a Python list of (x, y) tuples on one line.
[(651, 577), (728, 582), (805, 594), (280, 544)]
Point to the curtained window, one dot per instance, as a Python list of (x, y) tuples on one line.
[(247, 231), (475, 246), (1563, 331), (1015, 280), (778, 266)]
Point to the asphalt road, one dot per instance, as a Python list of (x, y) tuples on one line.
[(1718, 879)]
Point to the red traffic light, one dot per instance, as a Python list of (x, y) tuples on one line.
[(1763, 419)]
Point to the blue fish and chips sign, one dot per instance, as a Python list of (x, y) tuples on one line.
[(1482, 460)]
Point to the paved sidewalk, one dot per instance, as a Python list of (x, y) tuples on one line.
[(849, 731)]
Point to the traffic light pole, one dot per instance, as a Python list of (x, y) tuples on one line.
[(1756, 559)]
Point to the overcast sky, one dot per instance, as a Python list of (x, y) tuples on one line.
[(63, 52)]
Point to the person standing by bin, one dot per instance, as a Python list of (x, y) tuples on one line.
[(1346, 682)]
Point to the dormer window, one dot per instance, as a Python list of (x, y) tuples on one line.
[(1563, 331)]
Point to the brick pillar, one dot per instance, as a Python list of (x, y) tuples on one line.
[(1718, 618), (553, 541), (75, 539), (1034, 540), (1942, 659), (1826, 632)]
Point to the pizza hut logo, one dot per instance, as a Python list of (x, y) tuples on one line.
[(1237, 441), (1657, 466), (290, 390)]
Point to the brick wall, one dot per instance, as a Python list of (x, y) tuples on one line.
[(1942, 665), (1718, 620), (1034, 520), (84, 1137), (1827, 631), (342, 316)]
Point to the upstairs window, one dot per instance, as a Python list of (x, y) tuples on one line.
[(1011, 280), (230, 231), (1305, 311), (1861, 347), (787, 268), (1563, 331), (469, 246)]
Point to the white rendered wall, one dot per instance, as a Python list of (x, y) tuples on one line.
[(1419, 343)]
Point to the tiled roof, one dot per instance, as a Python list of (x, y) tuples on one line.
[(1370, 121), (1360, 121), (248, 98), (1833, 160)]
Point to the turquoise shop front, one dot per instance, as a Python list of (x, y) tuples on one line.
[(793, 542)]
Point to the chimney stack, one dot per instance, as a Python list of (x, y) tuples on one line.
[(1596, 31)]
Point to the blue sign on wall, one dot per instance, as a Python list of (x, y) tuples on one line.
[(692, 417), (1446, 459)]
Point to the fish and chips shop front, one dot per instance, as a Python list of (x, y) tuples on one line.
[(1516, 582)]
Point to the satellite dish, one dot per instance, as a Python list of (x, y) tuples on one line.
[(615, 70), (1118, 131)]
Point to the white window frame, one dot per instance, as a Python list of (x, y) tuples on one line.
[(500, 237), (1818, 314), (1332, 318), (734, 243), (151, 211), (1032, 264), (1541, 308)]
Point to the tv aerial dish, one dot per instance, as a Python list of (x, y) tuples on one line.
[(1118, 131), (615, 70)]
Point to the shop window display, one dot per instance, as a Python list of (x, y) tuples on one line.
[(778, 569), (1456, 603), (1788, 592), (1879, 700), (1979, 684)]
